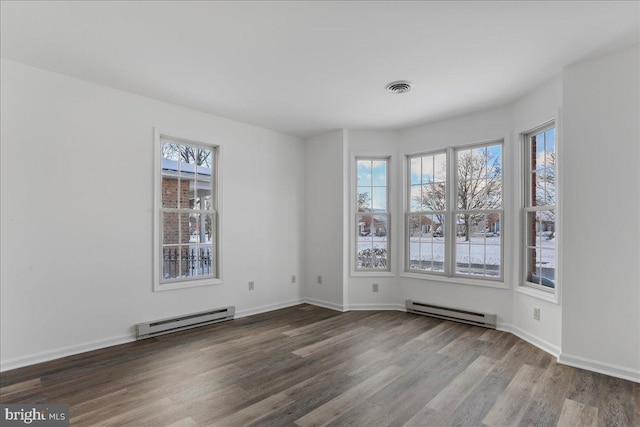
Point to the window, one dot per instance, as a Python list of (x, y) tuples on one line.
[(465, 240), (372, 215), (540, 208), (427, 212), (479, 211), (187, 231)]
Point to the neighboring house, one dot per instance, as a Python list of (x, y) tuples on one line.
[(372, 224)]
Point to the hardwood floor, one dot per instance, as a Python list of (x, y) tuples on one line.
[(308, 366)]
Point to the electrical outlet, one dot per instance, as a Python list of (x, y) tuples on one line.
[(251, 286), (536, 314), (319, 280), (293, 279), (375, 287)]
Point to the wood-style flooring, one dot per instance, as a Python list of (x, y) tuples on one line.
[(308, 366)]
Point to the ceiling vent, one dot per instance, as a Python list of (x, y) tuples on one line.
[(400, 86)]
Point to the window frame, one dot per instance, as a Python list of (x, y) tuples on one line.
[(451, 210), (160, 284), (355, 271), (455, 211), (409, 213), (526, 207)]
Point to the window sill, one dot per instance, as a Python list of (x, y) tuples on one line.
[(457, 280), (536, 293), (372, 274), (170, 286)]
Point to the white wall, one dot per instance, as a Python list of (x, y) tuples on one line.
[(77, 215), (286, 211), (473, 128), (538, 107), (323, 229), (360, 293), (601, 273)]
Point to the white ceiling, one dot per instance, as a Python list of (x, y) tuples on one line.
[(308, 67)]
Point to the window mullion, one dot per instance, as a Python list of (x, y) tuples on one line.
[(450, 231)]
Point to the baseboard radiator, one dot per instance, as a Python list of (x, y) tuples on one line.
[(456, 314), (180, 323)]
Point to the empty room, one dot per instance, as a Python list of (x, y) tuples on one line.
[(309, 213)]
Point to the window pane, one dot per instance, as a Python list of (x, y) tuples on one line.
[(440, 168), (204, 261), (533, 144), (371, 242), (170, 192), (546, 225), (539, 150), (548, 268), (463, 257), (534, 274), (364, 227), (195, 230), (186, 185), (208, 225), (438, 256), (415, 232), (187, 225), (170, 227), (379, 173), (203, 195), (415, 198), (478, 244), (379, 199), (364, 172), (427, 169), (426, 246), (532, 227), (416, 170), (379, 227), (380, 253), (434, 197), (171, 262), (205, 163), (171, 151), (480, 178), (186, 193), (364, 199), (550, 141)]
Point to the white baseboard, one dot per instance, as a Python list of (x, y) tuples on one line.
[(376, 307), (563, 358), (45, 356), (531, 339), (325, 304), (600, 367), (266, 308)]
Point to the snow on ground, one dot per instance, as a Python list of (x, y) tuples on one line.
[(479, 250)]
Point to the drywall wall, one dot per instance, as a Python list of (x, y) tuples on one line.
[(473, 128), (323, 230), (536, 108), (360, 284), (77, 215), (601, 274)]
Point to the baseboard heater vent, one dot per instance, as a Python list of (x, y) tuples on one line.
[(456, 314), (180, 323)]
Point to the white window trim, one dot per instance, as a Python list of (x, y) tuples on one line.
[(158, 285), (451, 277), (353, 212), (523, 286)]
